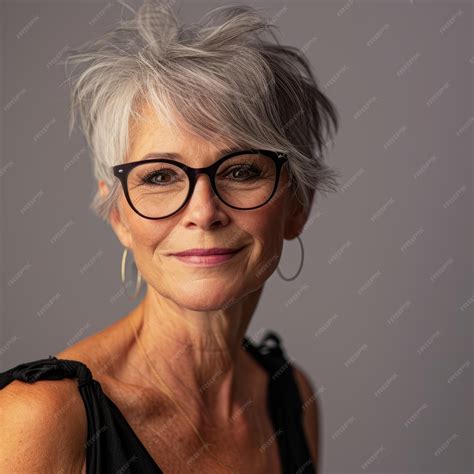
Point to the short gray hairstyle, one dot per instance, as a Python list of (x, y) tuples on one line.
[(219, 78)]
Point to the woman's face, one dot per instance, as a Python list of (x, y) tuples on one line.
[(203, 223)]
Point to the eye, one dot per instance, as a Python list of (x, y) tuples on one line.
[(242, 172), (161, 176)]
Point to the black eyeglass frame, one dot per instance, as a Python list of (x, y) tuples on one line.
[(122, 171)]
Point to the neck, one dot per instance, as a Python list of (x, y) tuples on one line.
[(195, 355)]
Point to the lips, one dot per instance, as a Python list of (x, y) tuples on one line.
[(205, 252), (208, 260)]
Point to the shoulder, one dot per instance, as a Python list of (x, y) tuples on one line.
[(44, 426), (309, 410)]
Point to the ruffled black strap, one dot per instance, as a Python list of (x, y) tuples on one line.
[(47, 369), (285, 404), (271, 343)]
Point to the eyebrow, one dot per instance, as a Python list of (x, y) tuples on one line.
[(178, 157)]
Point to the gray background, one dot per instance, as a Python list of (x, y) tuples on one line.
[(381, 314)]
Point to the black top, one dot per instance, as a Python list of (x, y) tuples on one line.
[(113, 446)]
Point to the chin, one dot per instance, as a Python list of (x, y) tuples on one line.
[(198, 300)]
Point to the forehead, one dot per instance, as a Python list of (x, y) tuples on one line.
[(154, 134)]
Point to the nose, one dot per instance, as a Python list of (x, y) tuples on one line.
[(203, 189), (204, 207)]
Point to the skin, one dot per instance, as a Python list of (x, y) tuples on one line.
[(192, 319)]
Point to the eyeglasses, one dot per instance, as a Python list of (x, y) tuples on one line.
[(159, 188)]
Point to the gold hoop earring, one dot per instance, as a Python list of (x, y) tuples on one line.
[(301, 264), (122, 274)]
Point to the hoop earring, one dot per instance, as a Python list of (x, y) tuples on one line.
[(301, 264), (122, 274)]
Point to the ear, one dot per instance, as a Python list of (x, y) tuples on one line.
[(116, 218), (296, 217)]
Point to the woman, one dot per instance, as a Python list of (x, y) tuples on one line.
[(176, 386)]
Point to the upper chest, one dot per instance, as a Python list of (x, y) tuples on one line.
[(170, 439), (177, 445)]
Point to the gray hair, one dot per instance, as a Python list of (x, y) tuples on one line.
[(219, 79)]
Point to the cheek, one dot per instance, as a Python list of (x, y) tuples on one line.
[(148, 236), (266, 230), (150, 240)]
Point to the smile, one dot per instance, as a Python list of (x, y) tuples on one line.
[(206, 260)]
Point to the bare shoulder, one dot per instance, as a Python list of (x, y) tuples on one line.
[(44, 427), (44, 424), (310, 411)]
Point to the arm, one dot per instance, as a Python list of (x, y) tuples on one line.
[(43, 427)]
